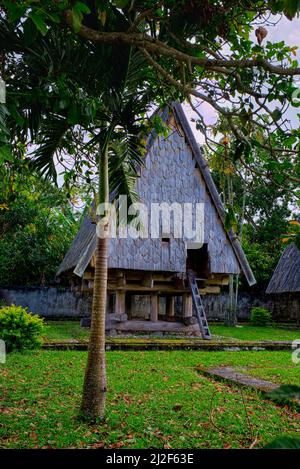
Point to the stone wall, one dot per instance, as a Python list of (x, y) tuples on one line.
[(284, 308), (49, 302), (55, 302)]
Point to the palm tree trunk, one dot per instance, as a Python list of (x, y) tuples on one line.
[(94, 388)]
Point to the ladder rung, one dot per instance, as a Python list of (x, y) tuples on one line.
[(200, 312)]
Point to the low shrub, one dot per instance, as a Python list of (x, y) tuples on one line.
[(20, 329), (260, 317)]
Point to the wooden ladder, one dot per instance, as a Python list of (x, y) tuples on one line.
[(198, 306)]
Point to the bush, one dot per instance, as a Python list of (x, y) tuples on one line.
[(260, 317), (19, 329)]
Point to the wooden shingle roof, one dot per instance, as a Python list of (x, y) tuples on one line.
[(286, 277), (84, 244)]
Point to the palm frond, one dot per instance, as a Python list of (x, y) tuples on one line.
[(124, 163), (52, 131), (136, 72), (9, 41)]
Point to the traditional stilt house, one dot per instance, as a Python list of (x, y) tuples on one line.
[(285, 285), (145, 274)]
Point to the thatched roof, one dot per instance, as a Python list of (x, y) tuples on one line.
[(286, 277), (84, 244), (82, 249)]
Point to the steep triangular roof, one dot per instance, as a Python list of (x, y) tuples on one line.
[(84, 244), (286, 276), (203, 166)]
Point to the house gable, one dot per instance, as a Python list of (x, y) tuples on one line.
[(175, 171), (171, 175)]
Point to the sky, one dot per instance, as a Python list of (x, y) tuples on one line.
[(284, 30)]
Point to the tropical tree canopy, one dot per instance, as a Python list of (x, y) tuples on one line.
[(205, 51), (37, 224)]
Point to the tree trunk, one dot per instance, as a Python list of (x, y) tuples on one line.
[(94, 388), (230, 313)]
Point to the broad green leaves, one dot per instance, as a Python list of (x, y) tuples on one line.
[(40, 15), (78, 11), (34, 236), (15, 10), (39, 22), (293, 234), (58, 82), (230, 219), (5, 154), (284, 442), (285, 394), (289, 7), (122, 3)]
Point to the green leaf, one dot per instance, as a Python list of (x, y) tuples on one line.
[(78, 10), (239, 151), (257, 48), (30, 32), (73, 114), (79, 6), (15, 11), (5, 154), (284, 442), (289, 142), (291, 8), (276, 114), (122, 3), (286, 393), (39, 22), (230, 221)]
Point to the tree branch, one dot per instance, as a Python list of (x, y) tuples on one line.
[(187, 90), (154, 45)]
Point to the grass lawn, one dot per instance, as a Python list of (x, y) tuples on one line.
[(56, 331), (64, 330), (155, 400), (247, 332)]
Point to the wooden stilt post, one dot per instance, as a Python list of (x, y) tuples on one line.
[(154, 308), (187, 303), (120, 305), (170, 307)]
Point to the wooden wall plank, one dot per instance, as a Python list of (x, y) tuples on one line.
[(170, 176)]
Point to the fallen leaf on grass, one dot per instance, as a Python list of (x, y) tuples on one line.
[(97, 445), (177, 407), (196, 385), (118, 444), (227, 446)]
